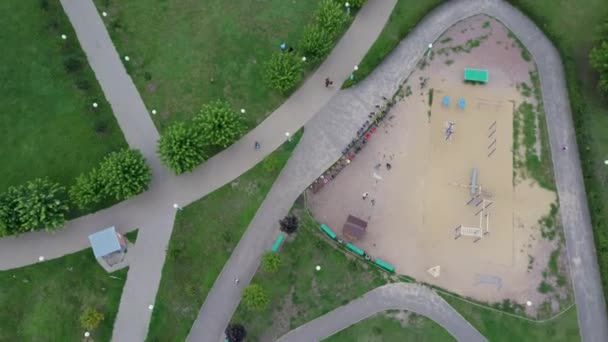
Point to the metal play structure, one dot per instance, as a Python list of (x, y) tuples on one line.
[(480, 200)]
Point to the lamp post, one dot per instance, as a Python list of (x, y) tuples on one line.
[(288, 136), (347, 5), (430, 49)]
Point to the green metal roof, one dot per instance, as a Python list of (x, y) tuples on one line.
[(477, 75)]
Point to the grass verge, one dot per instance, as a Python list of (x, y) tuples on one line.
[(204, 235), (297, 292), (388, 327), (405, 16), (49, 127), (497, 326), (184, 54), (43, 302)]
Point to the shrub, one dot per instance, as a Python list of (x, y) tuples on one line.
[(181, 148), (289, 224), (40, 204), (9, 218), (124, 174), (219, 124), (315, 42), (255, 298), (91, 318), (271, 262), (235, 333), (283, 71), (73, 64), (330, 16), (87, 190), (598, 58)]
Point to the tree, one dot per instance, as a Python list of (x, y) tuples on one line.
[(330, 16), (124, 174), (235, 333), (283, 71), (316, 42), (255, 297), (91, 318), (87, 190), (219, 124), (181, 148), (41, 204), (9, 218), (289, 224), (598, 57), (271, 262)]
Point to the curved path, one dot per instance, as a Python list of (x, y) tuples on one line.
[(400, 296), (335, 125)]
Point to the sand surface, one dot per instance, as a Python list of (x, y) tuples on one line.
[(413, 208)]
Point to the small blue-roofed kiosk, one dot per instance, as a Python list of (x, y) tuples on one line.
[(109, 246)]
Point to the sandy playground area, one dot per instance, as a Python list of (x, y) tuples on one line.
[(418, 179)]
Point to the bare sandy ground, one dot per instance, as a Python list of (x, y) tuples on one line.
[(413, 207)]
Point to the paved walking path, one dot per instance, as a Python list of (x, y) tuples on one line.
[(336, 124), (401, 296), (324, 138)]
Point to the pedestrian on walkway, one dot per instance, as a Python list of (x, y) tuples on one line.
[(365, 195), (236, 280), (564, 148), (328, 82)]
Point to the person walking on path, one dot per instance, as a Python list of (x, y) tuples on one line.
[(328, 82)]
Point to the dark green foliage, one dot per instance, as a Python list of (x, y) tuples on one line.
[(316, 42), (218, 124), (355, 3), (181, 147), (289, 224), (283, 71), (121, 175), (87, 190), (330, 15), (255, 298), (39, 204), (598, 58), (124, 174), (235, 333), (271, 262)]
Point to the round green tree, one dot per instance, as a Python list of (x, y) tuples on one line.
[(218, 124), (87, 190), (181, 148), (283, 71), (124, 174), (271, 262), (330, 15), (255, 297), (316, 42), (41, 204)]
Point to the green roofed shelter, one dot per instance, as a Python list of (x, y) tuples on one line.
[(476, 75)]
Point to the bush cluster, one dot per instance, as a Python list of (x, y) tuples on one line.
[(121, 175), (181, 146), (35, 205)]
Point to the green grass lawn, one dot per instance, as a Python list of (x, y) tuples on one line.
[(297, 292), (204, 235), (405, 16), (43, 302), (385, 327), (48, 125), (187, 53), (497, 327), (571, 26)]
